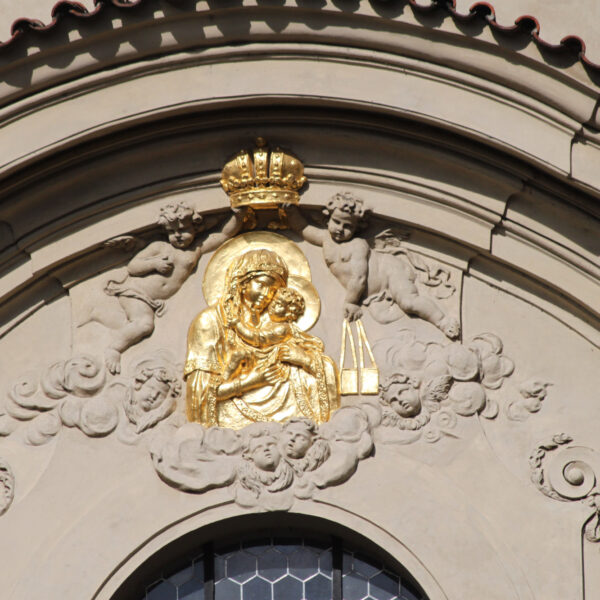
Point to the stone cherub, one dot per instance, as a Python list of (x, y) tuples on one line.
[(365, 272), (401, 393), (303, 447), (153, 393), (262, 465), (271, 461), (157, 272)]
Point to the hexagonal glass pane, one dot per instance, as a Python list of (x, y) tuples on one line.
[(219, 567), (318, 588), (384, 586), (240, 566), (287, 545), (272, 565), (228, 590), (182, 576), (257, 547), (304, 563), (192, 590), (354, 587), (364, 567), (325, 562), (348, 563), (256, 589), (288, 588)]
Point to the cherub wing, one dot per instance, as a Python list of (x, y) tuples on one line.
[(127, 243), (390, 240)]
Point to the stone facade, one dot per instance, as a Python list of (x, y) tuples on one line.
[(469, 161)]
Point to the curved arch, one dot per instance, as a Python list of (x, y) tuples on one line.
[(245, 526), (495, 207)]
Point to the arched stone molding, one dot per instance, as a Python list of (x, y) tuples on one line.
[(219, 522), (491, 112), (483, 204)]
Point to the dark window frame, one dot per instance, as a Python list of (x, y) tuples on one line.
[(178, 554)]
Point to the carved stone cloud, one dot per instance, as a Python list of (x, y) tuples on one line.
[(265, 464), (421, 382)]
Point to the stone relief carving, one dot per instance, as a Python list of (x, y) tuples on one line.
[(568, 473), (151, 394), (379, 275), (154, 274), (436, 277), (247, 361), (427, 385), (262, 412), (7, 486), (532, 392), (73, 393), (265, 464), (45, 401)]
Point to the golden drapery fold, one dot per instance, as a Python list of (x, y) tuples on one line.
[(311, 392)]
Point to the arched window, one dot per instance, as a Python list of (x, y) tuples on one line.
[(287, 567)]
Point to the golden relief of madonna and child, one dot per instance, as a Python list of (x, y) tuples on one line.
[(249, 359)]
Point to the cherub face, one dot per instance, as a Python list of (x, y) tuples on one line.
[(296, 440), (404, 399), (264, 453), (258, 292), (181, 233), (341, 226), (279, 310), (151, 394)]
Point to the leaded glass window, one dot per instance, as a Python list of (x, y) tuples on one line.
[(287, 568)]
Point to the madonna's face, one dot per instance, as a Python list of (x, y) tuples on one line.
[(258, 292)]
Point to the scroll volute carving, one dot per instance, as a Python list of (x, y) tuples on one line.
[(565, 472)]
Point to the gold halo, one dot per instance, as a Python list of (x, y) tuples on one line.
[(299, 278), (313, 303)]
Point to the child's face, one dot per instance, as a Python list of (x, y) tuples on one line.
[(279, 310), (404, 399), (341, 226), (296, 440), (264, 453), (181, 233), (151, 393)]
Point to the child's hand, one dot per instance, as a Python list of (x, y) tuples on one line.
[(293, 355), (352, 312), (164, 265)]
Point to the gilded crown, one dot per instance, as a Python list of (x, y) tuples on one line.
[(264, 179)]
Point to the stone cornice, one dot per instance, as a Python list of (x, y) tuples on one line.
[(431, 13)]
